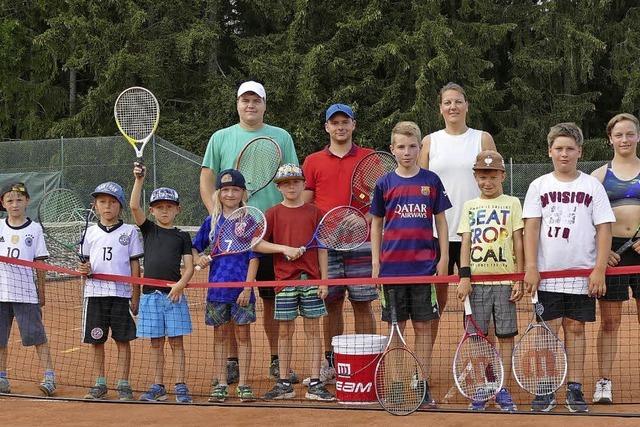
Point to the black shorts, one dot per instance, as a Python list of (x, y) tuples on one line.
[(415, 302), (579, 307), (266, 273), (103, 313), (618, 286)]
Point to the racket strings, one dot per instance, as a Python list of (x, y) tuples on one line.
[(137, 113), (478, 368), (63, 216), (241, 230), (259, 162), (343, 229), (539, 361), (399, 385), (367, 173)]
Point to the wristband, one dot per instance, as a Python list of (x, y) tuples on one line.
[(464, 272)]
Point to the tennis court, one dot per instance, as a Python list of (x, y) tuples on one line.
[(73, 361)]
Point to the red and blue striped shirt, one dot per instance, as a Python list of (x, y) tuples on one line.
[(407, 206)]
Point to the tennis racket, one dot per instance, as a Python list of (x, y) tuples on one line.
[(258, 162), (539, 359), (137, 114), (343, 228), (65, 220), (626, 245), (398, 372), (477, 367), (365, 175), (239, 232)]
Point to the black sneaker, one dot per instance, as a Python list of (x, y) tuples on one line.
[(575, 399), (97, 392), (318, 391), (543, 403), (280, 391)]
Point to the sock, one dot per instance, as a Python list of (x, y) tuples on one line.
[(101, 381), (49, 374), (274, 357), (122, 383), (3, 374), (329, 356), (314, 381), (232, 359)]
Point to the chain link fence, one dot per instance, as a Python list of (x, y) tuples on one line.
[(81, 164)]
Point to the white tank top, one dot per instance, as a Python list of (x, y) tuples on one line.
[(452, 157)]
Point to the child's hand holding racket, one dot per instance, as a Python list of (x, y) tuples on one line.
[(464, 288), (84, 268), (139, 170), (292, 254)]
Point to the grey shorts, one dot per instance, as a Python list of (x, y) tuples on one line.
[(29, 318), (492, 301), (351, 264)]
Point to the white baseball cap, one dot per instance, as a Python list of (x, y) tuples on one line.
[(254, 87)]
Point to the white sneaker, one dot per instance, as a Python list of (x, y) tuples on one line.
[(603, 392), (327, 374)]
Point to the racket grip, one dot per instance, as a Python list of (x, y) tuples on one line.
[(303, 249), (140, 164), (198, 268)]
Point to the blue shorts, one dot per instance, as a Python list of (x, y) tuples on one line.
[(159, 317), (219, 313), (29, 318), (351, 264)]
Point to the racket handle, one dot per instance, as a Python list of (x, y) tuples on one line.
[(198, 268), (138, 163), (303, 249)]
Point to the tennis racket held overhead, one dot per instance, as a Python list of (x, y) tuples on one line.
[(539, 359), (343, 228), (258, 162), (137, 114), (399, 385), (477, 367), (239, 232)]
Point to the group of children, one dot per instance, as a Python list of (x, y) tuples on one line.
[(566, 223)]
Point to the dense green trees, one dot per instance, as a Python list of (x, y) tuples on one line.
[(525, 65)]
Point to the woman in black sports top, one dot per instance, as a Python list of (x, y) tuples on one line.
[(621, 178)]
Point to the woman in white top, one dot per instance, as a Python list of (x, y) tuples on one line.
[(451, 153)]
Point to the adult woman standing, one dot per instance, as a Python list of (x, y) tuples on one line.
[(621, 178), (451, 153)]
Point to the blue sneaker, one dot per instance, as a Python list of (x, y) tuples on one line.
[(504, 401), (156, 393), (182, 393), (479, 401)]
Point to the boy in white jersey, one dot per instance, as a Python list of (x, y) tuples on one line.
[(20, 297), (491, 231), (567, 225), (110, 247)]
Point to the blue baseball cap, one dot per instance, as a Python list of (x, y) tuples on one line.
[(111, 189), (164, 194), (230, 178), (339, 108)]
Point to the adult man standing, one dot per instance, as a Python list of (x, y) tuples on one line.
[(328, 184), (221, 153)]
